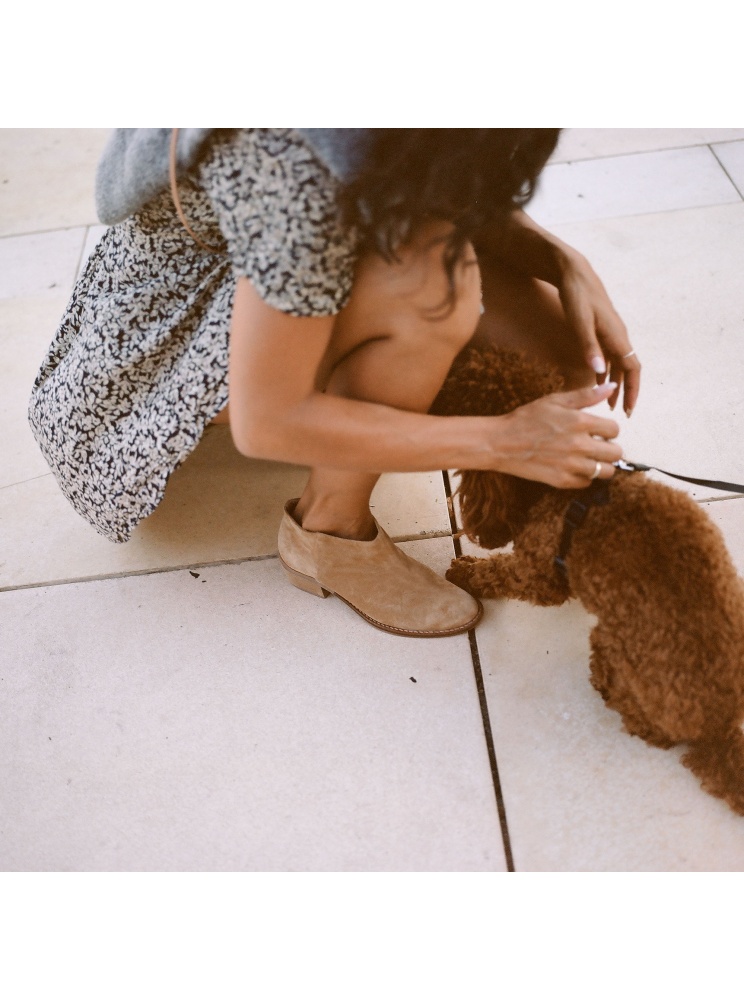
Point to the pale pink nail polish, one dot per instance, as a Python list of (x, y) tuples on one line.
[(598, 365)]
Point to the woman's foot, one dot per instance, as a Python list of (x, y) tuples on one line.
[(376, 579)]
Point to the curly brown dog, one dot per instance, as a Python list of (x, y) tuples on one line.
[(667, 651)]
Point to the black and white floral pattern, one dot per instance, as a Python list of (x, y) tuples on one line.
[(138, 366)]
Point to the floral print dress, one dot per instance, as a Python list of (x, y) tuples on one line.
[(138, 366)]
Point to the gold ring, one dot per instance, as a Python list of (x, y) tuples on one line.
[(597, 470)]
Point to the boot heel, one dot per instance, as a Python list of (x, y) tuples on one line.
[(306, 583)]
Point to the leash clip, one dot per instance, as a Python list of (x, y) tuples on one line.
[(631, 466)]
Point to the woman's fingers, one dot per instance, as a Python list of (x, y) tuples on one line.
[(603, 451), (632, 382), (606, 471), (579, 399), (587, 474), (602, 333), (581, 316), (626, 371), (600, 430), (560, 444), (583, 468)]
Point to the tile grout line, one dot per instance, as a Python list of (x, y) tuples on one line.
[(482, 700), (723, 168), (642, 215), (729, 496), (48, 232), (214, 564), (22, 482), (124, 574), (642, 152)]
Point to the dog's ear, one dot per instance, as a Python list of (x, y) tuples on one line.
[(484, 381), (482, 509), (494, 506)]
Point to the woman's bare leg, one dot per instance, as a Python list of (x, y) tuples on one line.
[(525, 314), (391, 345)]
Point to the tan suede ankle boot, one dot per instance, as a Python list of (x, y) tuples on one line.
[(382, 584)]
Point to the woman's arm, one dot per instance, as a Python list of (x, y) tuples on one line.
[(276, 412), (526, 247)]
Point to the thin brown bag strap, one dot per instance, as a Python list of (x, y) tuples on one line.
[(177, 200)]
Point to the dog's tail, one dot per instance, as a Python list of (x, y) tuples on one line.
[(719, 764)]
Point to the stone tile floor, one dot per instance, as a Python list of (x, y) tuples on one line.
[(172, 704)]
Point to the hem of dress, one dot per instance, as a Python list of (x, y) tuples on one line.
[(121, 532), (125, 535)]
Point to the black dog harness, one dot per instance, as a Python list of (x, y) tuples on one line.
[(598, 494)]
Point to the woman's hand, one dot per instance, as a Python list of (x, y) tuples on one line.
[(602, 333), (523, 245), (554, 441)]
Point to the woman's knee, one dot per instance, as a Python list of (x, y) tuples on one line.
[(414, 299)]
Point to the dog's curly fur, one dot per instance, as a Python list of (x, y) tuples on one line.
[(667, 651)]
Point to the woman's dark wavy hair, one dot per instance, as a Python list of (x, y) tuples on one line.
[(471, 177)]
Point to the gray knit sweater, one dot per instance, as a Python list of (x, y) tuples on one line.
[(134, 164)]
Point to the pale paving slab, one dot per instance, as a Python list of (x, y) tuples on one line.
[(675, 278), (47, 178), (218, 506), (170, 722), (37, 275), (26, 328), (580, 793), (631, 185), (411, 504), (40, 263), (731, 155), (587, 143)]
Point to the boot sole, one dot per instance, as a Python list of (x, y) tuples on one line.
[(311, 586)]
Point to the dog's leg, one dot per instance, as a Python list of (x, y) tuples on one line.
[(609, 676), (508, 576)]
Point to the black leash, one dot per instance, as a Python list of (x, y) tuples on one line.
[(714, 484), (598, 494)]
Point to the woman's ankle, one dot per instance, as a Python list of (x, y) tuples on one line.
[(333, 518)]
